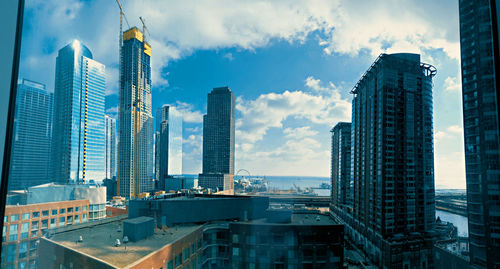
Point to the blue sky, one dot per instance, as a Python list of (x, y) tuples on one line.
[(290, 64)]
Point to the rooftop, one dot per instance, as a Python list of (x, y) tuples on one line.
[(99, 242), (300, 219)]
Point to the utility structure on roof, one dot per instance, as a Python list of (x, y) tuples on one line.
[(135, 153)]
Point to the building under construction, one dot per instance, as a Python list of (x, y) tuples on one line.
[(135, 172)]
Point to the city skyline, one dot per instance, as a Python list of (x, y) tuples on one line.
[(317, 103)]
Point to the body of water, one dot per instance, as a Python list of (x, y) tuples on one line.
[(457, 220)]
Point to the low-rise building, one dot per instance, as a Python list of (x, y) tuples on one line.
[(25, 224), (259, 238)]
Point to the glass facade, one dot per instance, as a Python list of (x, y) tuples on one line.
[(481, 129), (135, 117), (30, 158), (168, 144), (341, 194), (78, 134), (218, 141), (392, 162), (110, 142)]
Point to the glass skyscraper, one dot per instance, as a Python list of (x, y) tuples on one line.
[(168, 146), (392, 163), (481, 103), (218, 141), (30, 158), (341, 193), (110, 142), (135, 172), (78, 144)]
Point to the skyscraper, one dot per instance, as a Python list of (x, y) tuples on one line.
[(135, 116), (168, 144), (341, 193), (218, 141), (481, 104), (32, 136), (110, 136), (78, 128), (393, 162)]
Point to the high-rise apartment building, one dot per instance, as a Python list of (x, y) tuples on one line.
[(393, 162), (481, 103), (30, 158), (341, 193), (218, 141), (110, 142), (78, 145), (135, 172), (168, 144)]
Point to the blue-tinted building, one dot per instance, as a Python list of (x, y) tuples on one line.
[(342, 186), (32, 134), (135, 172), (168, 144), (78, 135), (480, 54), (110, 142)]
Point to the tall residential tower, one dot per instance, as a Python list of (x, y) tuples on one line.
[(393, 162), (78, 132), (479, 47), (218, 141), (168, 144), (30, 161), (341, 194), (110, 136), (135, 171)]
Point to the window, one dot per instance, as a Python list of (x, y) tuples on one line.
[(170, 265), (62, 211), (53, 212), (186, 254), (25, 230), (236, 251), (84, 208), (178, 259), (45, 224), (23, 250), (69, 220), (13, 229), (45, 213), (61, 221), (14, 218), (26, 216), (70, 210), (77, 219), (77, 209), (53, 224), (84, 217), (35, 214)]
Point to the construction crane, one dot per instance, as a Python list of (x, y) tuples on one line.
[(144, 28)]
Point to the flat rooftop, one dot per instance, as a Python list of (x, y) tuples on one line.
[(299, 219), (99, 242)]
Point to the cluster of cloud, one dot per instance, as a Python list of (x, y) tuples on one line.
[(179, 28), (318, 105)]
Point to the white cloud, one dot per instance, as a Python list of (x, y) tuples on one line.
[(452, 84), (270, 110), (455, 129), (112, 110), (300, 132), (229, 56), (189, 114)]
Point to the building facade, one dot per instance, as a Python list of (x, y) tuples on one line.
[(110, 146), (393, 162), (78, 130), (218, 141), (135, 116), (25, 224), (168, 144), (341, 193), (30, 160), (481, 103)]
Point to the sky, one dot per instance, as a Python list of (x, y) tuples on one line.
[(290, 64)]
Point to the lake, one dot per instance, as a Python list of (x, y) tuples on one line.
[(457, 220)]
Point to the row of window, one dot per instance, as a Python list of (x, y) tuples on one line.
[(44, 213), (184, 256), (35, 225)]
